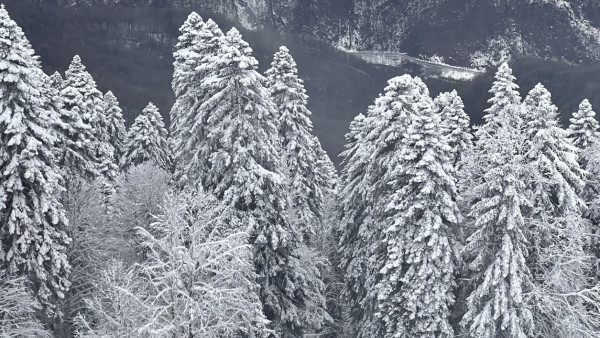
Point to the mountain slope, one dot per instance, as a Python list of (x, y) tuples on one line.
[(464, 31)]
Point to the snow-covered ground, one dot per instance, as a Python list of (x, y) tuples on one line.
[(430, 69)]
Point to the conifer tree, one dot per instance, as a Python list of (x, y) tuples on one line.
[(585, 134), (242, 144), (82, 97), (503, 110), (556, 177), (375, 143), (352, 205), (417, 280), (117, 133), (455, 124), (584, 126), (194, 61), (496, 252), (76, 157), (558, 230), (147, 140), (301, 151), (32, 220)]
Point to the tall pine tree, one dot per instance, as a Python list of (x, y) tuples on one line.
[(496, 252), (303, 158), (557, 229), (83, 98), (242, 146), (455, 125), (194, 60), (417, 280), (33, 241), (371, 156), (584, 126)]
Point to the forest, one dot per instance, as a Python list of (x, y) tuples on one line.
[(232, 221)]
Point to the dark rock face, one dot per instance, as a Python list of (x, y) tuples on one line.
[(127, 46), (462, 31)]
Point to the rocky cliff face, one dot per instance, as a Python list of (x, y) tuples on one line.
[(463, 31)]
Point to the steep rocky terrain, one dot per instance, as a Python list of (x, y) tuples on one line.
[(463, 31)]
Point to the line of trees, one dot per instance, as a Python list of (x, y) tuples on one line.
[(234, 223)]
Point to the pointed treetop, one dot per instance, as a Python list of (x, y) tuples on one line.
[(109, 94), (76, 60), (584, 127), (189, 30), (505, 90), (153, 115), (193, 18), (284, 49), (57, 80), (538, 108), (236, 49), (75, 67), (213, 27), (150, 108), (284, 61)]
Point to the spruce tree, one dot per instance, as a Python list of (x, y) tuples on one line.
[(455, 125), (116, 131), (353, 213), (585, 134), (242, 144), (417, 280), (147, 141), (584, 126), (82, 97), (301, 151), (371, 156), (194, 60), (32, 220), (77, 157), (496, 251), (557, 228), (556, 178)]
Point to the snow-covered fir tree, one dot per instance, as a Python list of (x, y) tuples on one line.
[(556, 178), (33, 241), (496, 251), (244, 172), (301, 151), (147, 141), (77, 157), (557, 230), (584, 126), (82, 97), (353, 209), (585, 134), (194, 60), (372, 155), (415, 289), (455, 125), (117, 133)]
